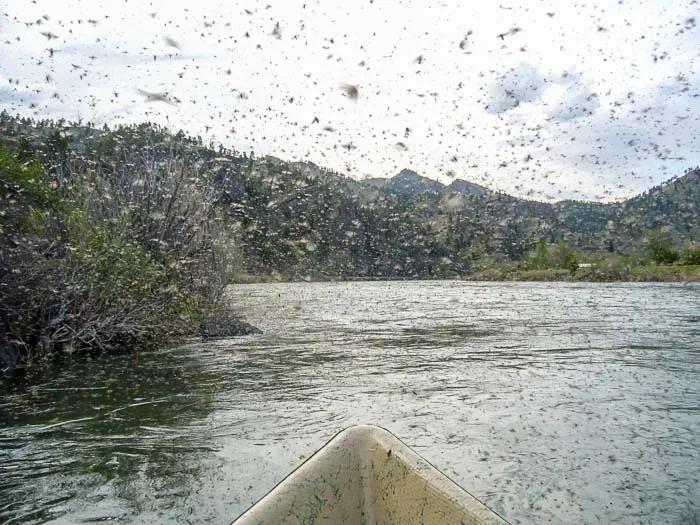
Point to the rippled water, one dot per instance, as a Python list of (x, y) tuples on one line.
[(569, 403)]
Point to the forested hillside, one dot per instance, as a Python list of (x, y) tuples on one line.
[(297, 220)]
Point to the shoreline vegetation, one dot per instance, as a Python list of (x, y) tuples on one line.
[(126, 238), (637, 274), (99, 255), (659, 262)]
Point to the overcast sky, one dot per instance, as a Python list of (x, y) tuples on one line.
[(595, 100)]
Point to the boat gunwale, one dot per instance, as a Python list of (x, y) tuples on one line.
[(391, 435)]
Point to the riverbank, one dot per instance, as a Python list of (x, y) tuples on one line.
[(648, 273), (651, 273)]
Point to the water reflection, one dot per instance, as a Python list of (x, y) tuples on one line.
[(562, 402), (96, 436)]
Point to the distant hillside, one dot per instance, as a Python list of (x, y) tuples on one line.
[(408, 182), (467, 188), (673, 206), (300, 220)]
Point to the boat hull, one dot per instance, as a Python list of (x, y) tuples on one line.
[(365, 475)]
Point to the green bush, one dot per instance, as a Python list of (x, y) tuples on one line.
[(559, 256), (660, 247), (563, 257), (24, 184), (92, 276), (690, 255)]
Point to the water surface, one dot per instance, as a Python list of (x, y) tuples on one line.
[(551, 402)]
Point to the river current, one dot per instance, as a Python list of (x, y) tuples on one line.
[(550, 402)]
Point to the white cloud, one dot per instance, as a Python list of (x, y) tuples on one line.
[(570, 98), (521, 84)]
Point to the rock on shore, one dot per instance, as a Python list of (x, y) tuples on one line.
[(225, 324)]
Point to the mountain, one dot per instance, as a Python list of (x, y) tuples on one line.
[(408, 182), (302, 220), (466, 188)]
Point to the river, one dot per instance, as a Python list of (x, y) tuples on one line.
[(551, 402)]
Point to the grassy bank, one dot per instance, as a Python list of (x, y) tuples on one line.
[(646, 273), (684, 273)]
